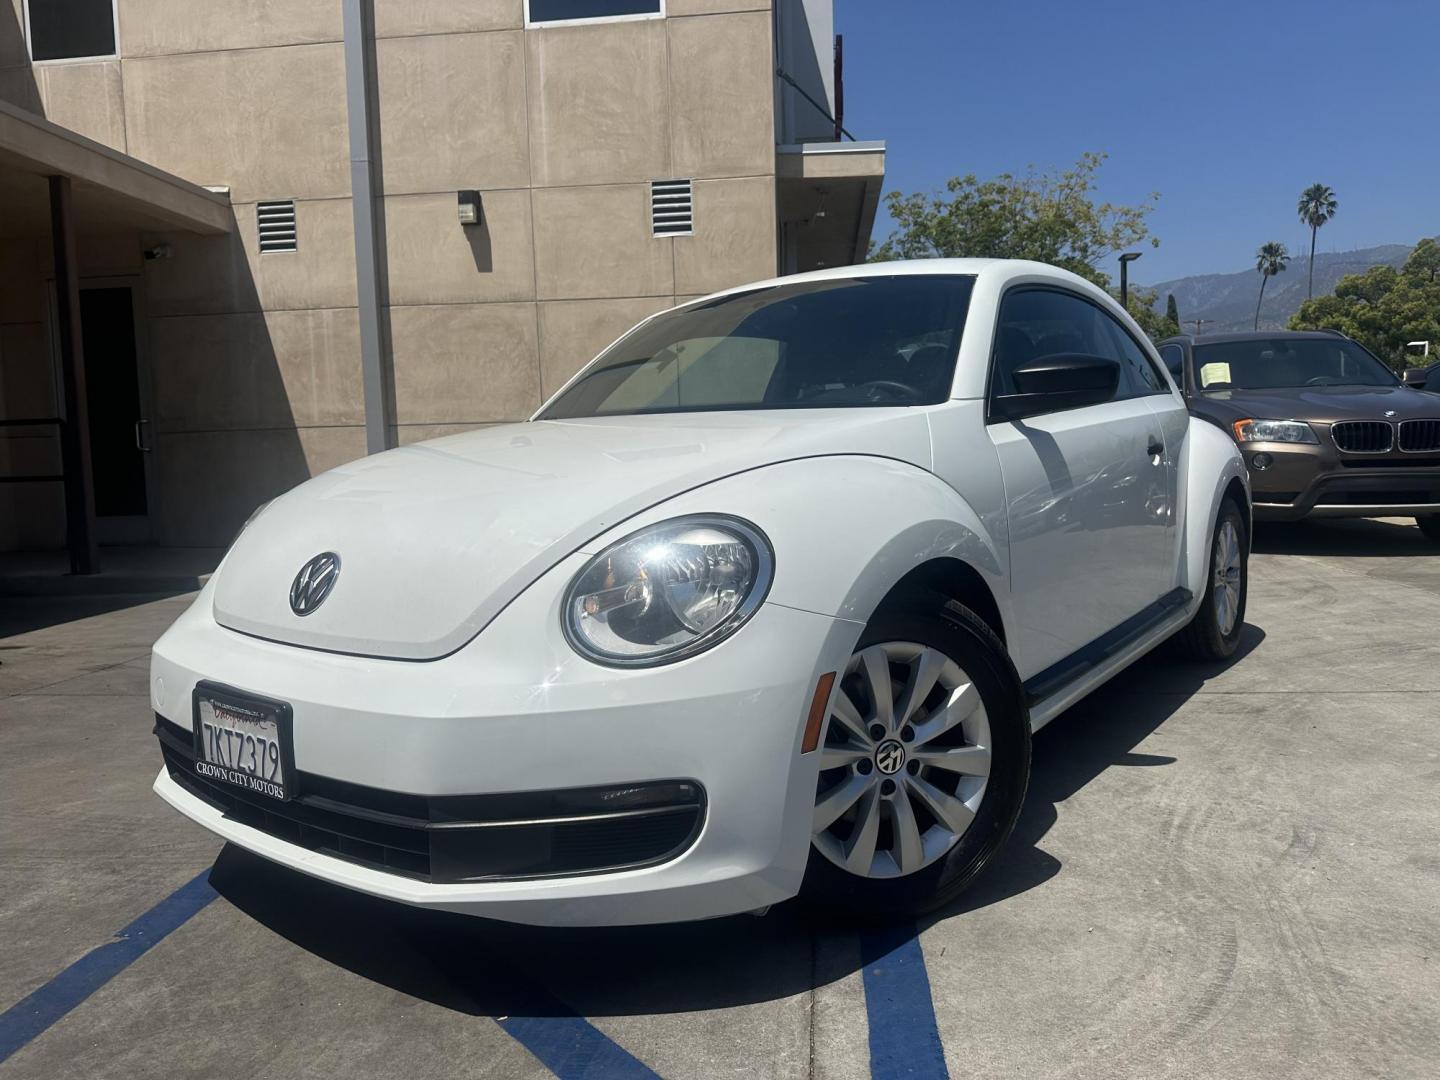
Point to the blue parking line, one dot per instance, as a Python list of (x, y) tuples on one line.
[(36, 1013), (574, 1049), (904, 1040)]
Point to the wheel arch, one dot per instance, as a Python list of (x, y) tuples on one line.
[(954, 579), (1214, 471)]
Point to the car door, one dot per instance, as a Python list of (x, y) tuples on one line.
[(1088, 490)]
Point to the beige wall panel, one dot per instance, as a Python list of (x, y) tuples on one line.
[(465, 363), (435, 260), (675, 8), (409, 434), (723, 105), (20, 86), (734, 239), (598, 98), (86, 98), (452, 112), (211, 482), (12, 33), (596, 242), (256, 370), (27, 381), (118, 254), (270, 123), (22, 287), (208, 274), (32, 516), (572, 332), (394, 18), (151, 27)]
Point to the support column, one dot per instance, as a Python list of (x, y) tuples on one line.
[(370, 271), (75, 430)]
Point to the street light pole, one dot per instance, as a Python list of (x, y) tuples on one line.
[(1125, 261)]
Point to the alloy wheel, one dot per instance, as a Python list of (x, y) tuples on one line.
[(905, 761), (1226, 577)]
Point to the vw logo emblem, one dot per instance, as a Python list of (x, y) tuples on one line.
[(314, 582), (889, 757)]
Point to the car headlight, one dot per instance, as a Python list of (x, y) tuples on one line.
[(1291, 431), (668, 591)]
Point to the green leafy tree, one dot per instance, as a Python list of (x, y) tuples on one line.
[(1383, 308), (1317, 206), (1172, 311), (1051, 217), (1271, 259), (1141, 306)]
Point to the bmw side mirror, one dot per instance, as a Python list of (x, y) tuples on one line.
[(1416, 377), (1061, 381)]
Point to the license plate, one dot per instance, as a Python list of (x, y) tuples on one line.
[(243, 740)]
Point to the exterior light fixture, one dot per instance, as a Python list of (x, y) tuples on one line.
[(470, 212), (1125, 261)]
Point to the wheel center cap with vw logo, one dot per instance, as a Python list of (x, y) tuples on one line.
[(889, 757), (314, 582)]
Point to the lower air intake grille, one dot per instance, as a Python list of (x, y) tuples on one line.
[(1363, 436), (1420, 436), (455, 838)]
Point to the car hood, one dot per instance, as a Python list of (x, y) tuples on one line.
[(435, 539), (1321, 404)]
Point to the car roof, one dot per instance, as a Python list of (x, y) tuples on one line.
[(1257, 335), (1002, 268)]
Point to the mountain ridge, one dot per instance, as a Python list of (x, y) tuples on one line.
[(1227, 301)]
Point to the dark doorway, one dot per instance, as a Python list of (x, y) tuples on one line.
[(112, 393)]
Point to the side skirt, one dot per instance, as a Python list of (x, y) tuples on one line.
[(1057, 677)]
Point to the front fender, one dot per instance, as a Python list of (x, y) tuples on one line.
[(845, 529), (1213, 462)]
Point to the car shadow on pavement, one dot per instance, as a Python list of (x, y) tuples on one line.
[(1097, 733), (485, 968), (1365, 537)]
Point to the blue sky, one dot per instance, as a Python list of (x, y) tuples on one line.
[(1228, 109)]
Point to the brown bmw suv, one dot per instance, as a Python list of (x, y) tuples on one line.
[(1326, 429)]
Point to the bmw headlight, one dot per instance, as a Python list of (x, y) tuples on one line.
[(1291, 431), (668, 591)]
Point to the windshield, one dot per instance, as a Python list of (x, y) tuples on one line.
[(864, 341), (1266, 364)]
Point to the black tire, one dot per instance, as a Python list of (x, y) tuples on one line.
[(961, 635), (1430, 526), (1203, 639)]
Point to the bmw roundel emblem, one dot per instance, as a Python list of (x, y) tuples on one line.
[(314, 582)]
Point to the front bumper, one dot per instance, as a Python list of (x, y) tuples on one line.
[(1319, 481), (517, 711)]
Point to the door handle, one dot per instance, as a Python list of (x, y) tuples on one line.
[(1156, 447), (139, 441)]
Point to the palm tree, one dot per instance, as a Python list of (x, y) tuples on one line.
[(1271, 259), (1317, 206)]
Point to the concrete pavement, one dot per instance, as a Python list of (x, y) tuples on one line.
[(1228, 873)]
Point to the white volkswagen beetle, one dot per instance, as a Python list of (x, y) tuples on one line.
[(768, 599)]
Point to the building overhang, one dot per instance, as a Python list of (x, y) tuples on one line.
[(112, 191), (829, 193)]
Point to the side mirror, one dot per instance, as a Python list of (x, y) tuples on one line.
[(1416, 377), (1061, 381)]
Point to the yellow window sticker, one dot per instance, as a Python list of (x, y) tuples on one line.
[(1210, 374)]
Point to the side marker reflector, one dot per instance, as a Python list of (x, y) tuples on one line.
[(816, 719)]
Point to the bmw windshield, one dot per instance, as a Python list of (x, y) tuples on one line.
[(844, 342), (1286, 363)]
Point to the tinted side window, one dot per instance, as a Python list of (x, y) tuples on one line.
[(1174, 357), (1035, 323), (1138, 369)]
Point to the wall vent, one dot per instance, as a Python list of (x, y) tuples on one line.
[(672, 208), (276, 221)]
